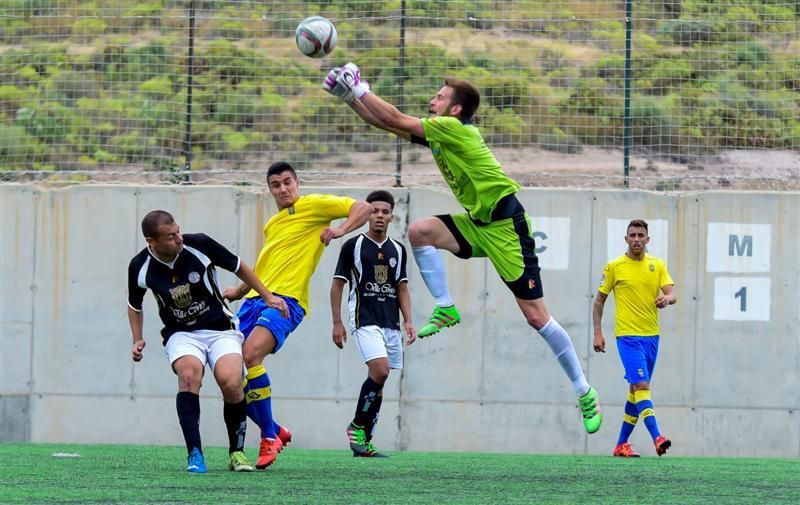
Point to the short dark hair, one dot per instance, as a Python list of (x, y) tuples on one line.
[(381, 196), (153, 220), (637, 223), (466, 95), (280, 167)]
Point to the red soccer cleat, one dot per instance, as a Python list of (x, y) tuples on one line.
[(662, 444), (625, 450), (268, 452), (285, 436)]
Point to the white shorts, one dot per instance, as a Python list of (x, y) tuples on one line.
[(206, 345), (376, 342)]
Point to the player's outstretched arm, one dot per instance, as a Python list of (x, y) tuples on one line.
[(368, 118), (339, 334), (597, 319), (136, 320), (246, 274), (358, 215), (390, 116), (346, 83)]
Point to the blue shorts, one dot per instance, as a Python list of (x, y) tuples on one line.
[(254, 312), (638, 356)]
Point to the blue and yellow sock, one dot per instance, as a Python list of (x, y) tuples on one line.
[(630, 419), (258, 394), (646, 412)]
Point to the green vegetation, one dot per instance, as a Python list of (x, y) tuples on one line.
[(155, 475), (87, 84)]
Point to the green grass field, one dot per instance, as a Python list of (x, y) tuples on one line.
[(29, 474)]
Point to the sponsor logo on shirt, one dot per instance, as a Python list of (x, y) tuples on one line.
[(381, 273), (181, 295)]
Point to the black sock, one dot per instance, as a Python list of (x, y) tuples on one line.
[(235, 415), (188, 405), (375, 412), (370, 392)]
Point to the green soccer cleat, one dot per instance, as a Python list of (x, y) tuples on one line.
[(590, 407), (371, 452), (442, 317), (358, 439), (238, 462)]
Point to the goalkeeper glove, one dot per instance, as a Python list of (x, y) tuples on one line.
[(334, 88), (350, 77)]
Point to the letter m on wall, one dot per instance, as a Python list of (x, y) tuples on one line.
[(738, 247)]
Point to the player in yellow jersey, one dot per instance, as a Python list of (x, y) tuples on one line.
[(294, 239), (641, 285)]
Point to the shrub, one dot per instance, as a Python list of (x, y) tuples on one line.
[(17, 147), (686, 32)]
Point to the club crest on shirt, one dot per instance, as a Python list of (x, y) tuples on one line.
[(194, 277), (392, 262), (181, 295), (381, 273), (652, 267)]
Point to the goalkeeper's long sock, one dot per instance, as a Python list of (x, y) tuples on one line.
[(188, 406), (235, 415), (431, 267), (645, 406), (559, 342), (259, 400), (630, 419)]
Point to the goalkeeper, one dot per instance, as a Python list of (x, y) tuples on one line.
[(495, 224)]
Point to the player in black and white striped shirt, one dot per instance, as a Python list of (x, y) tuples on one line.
[(199, 327), (375, 267)]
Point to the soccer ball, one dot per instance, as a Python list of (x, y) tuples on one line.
[(315, 37)]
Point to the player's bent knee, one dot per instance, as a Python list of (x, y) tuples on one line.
[(232, 390), (536, 321), (253, 359), (416, 235), (379, 376)]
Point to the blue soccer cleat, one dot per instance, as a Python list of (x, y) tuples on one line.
[(197, 464)]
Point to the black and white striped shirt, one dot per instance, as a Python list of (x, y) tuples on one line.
[(186, 290), (374, 272)]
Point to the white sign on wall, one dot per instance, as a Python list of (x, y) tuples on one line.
[(742, 298), (617, 229), (738, 247), (552, 241)]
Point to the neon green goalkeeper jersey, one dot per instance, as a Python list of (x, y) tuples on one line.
[(469, 167)]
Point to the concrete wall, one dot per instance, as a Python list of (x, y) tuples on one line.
[(727, 381)]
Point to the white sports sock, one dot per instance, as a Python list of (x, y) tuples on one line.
[(431, 267), (559, 342)]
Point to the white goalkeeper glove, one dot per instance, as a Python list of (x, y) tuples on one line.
[(350, 77), (334, 88)]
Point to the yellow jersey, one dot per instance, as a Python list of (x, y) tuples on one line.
[(636, 285), (292, 248)]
